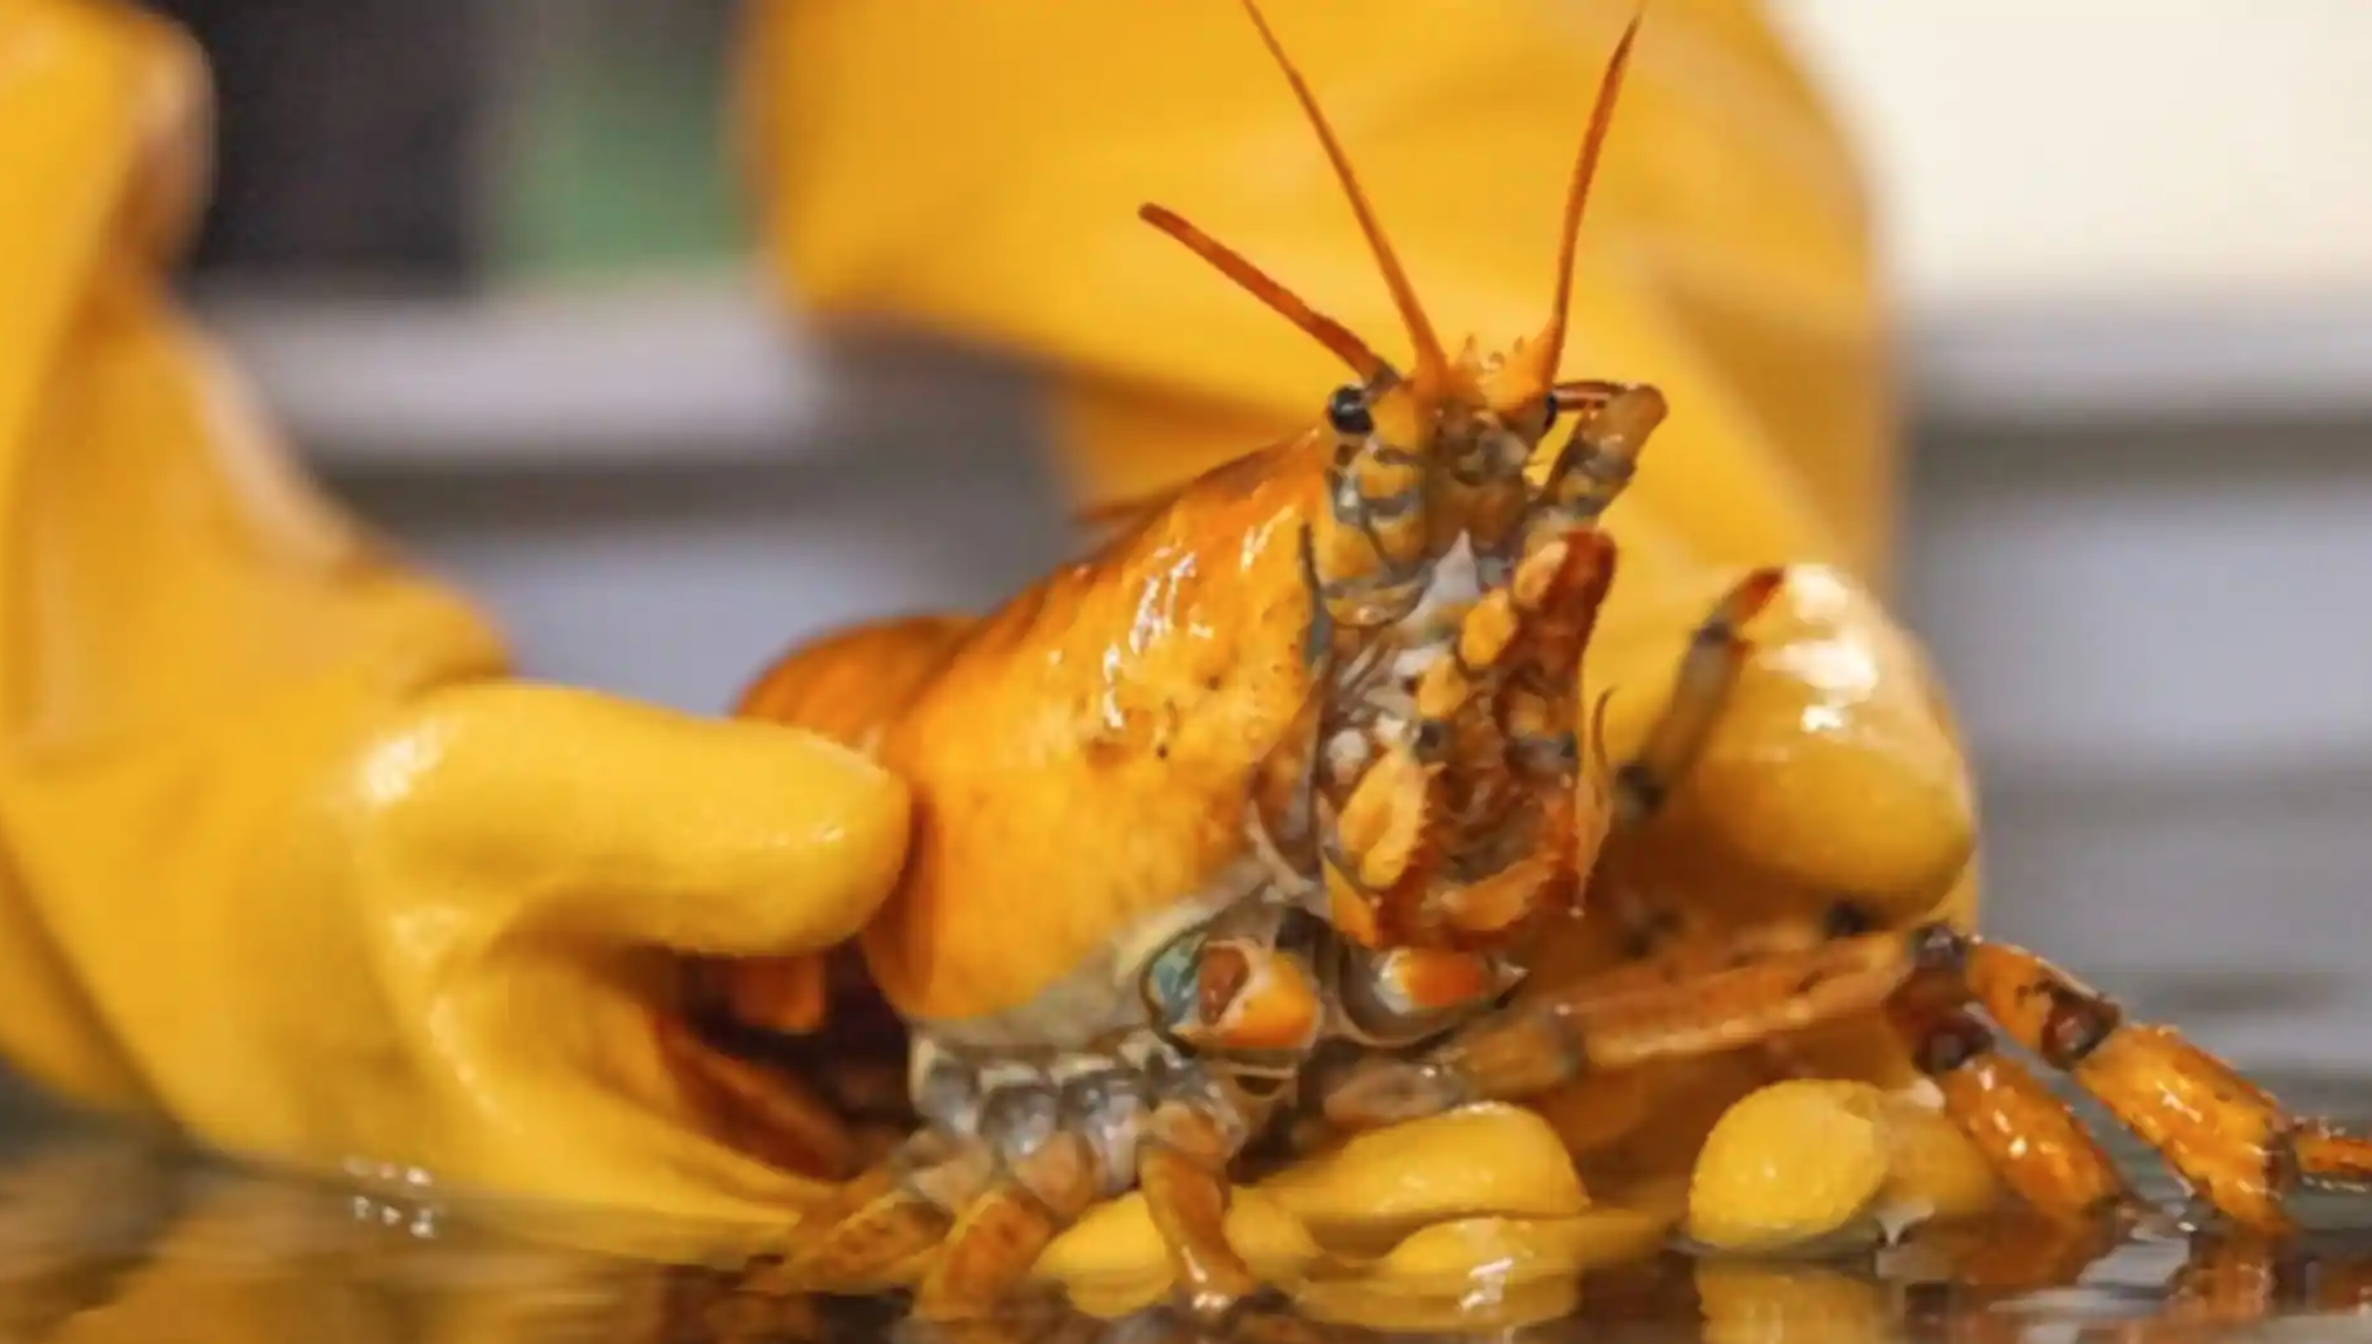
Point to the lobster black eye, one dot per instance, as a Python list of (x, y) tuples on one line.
[(1548, 417), (1346, 410), (1433, 738)]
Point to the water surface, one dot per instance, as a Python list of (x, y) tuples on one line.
[(109, 1238)]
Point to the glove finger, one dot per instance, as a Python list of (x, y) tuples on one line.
[(594, 816), (98, 110)]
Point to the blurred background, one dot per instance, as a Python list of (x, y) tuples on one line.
[(493, 281)]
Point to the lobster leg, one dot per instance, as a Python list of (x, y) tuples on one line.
[(1601, 455), (998, 1237), (2228, 1138), (1040, 1147), (2035, 1144), (2330, 1155), (764, 1110), (1492, 768), (1182, 1157), (1536, 716), (901, 1208), (1633, 1015), (1372, 560), (1378, 848), (1487, 699), (2247, 1278), (1555, 599), (1717, 653)]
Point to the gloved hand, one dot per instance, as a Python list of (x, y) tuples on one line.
[(291, 860), (975, 172)]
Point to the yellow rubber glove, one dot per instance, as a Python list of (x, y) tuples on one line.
[(291, 860), (974, 171)]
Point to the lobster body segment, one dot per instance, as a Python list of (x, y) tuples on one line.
[(1084, 754)]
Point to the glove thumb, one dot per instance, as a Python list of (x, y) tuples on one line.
[(597, 817)]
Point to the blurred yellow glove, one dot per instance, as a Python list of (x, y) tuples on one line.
[(974, 171), (290, 861)]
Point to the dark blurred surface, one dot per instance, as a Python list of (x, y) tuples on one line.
[(431, 147), (349, 140)]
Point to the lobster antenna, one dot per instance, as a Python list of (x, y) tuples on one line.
[(1231, 263), (1550, 347), (1432, 365)]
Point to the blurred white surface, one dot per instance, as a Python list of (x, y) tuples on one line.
[(2180, 611), (703, 371), (2108, 151)]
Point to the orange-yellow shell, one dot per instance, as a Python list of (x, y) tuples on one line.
[(1081, 757)]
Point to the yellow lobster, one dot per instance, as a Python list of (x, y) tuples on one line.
[(1273, 805)]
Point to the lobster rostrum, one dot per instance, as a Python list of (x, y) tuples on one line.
[(1265, 807)]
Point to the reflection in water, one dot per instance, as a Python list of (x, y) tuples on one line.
[(106, 1239)]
